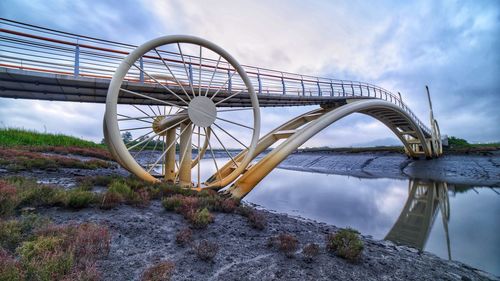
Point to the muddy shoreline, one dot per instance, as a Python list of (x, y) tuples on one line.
[(474, 170), (143, 236)]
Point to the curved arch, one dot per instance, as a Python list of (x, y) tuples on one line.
[(257, 172)]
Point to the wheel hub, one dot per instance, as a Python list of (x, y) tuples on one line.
[(202, 111)]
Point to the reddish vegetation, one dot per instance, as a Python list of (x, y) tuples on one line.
[(310, 251), (8, 198), (286, 243), (90, 152), (184, 237), (17, 159), (229, 205), (10, 268), (111, 200), (206, 250), (161, 271)]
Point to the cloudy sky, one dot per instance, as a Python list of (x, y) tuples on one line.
[(452, 46)]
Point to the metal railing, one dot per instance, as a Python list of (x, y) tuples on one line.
[(29, 47)]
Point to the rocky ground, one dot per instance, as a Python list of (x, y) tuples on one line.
[(143, 236)]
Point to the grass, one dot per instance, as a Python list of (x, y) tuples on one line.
[(10, 137)]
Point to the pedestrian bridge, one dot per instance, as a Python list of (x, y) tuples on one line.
[(183, 98)]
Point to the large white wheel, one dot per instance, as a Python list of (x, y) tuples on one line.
[(171, 97)]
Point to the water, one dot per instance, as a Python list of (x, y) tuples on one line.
[(457, 222)]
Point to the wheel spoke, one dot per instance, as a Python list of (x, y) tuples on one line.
[(150, 108), (172, 92), (136, 107), (128, 118), (235, 123), (227, 152), (161, 132), (237, 93), (213, 75), (220, 88), (142, 148), (185, 69), (199, 77), (151, 98), (134, 140), (136, 128), (236, 109), (213, 155), (234, 138), (171, 73)]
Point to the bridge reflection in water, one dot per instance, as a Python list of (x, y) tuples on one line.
[(425, 200)]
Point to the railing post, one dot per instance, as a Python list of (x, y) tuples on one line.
[(400, 99), (77, 61), (283, 83), (360, 89), (368, 88), (260, 82), (319, 88), (141, 73), (352, 88), (331, 87), (343, 89), (190, 69), (229, 84), (303, 88)]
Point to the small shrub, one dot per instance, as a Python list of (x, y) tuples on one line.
[(345, 244), (111, 199), (40, 195), (45, 258), (78, 199), (161, 271), (229, 205), (310, 251), (244, 211), (8, 198), (184, 237), (91, 241), (121, 188), (287, 244), (257, 220), (188, 206), (206, 250), (11, 234), (212, 203), (172, 203), (10, 269), (140, 198), (201, 218)]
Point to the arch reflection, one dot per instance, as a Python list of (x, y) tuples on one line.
[(425, 200)]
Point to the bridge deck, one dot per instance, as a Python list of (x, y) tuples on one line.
[(24, 84)]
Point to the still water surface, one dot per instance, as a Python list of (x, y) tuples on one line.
[(461, 223)]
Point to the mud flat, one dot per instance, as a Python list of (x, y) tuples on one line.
[(477, 170), (144, 236), (141, 237)]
